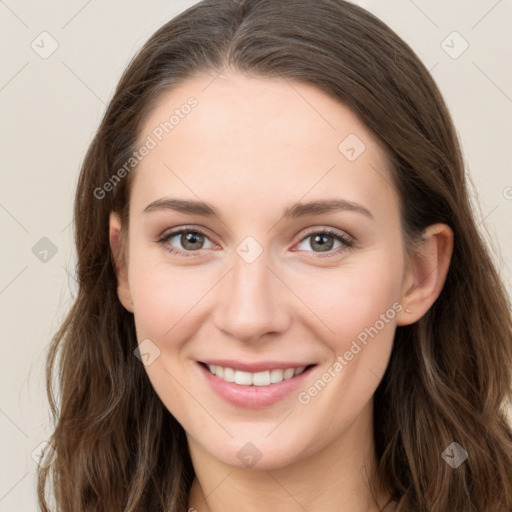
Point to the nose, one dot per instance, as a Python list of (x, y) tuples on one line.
[(252, 302)]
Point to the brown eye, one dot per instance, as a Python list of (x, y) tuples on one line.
[(186, 241), (325, 242), (191, 240), (321, 242)]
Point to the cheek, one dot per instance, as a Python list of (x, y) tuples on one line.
[(164, 297), (352, 298), (164, 300), (359, 305)]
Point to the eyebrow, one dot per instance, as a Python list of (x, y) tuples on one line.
[(297, 210)]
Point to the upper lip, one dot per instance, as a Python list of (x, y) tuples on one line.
[(255, 366)]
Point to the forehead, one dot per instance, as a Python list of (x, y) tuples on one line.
[(259, 137)]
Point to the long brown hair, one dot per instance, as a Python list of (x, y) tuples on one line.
[(449, 376)]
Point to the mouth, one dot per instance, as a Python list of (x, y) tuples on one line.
[(259, 378), (271, 383)]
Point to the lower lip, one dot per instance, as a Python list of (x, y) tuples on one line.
[(254, 397)]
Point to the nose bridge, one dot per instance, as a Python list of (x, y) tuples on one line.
[(251, 303)]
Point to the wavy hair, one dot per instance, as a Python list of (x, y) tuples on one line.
[(449, 376)]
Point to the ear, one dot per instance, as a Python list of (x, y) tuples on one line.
[(117, 246), (426, 273)]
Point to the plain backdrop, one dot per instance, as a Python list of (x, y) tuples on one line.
[(51, 105)]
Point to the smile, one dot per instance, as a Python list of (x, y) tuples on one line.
[(264, 378), (256, 389)]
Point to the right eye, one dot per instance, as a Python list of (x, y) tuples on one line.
[(190, 240)]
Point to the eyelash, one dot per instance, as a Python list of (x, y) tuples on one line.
[(345, 240)]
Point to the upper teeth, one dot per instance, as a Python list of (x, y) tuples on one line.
[(256, 379)]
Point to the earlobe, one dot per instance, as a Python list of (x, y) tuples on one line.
[(119, 258), (426, 273)]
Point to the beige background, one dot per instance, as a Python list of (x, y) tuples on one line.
[(51, 107)]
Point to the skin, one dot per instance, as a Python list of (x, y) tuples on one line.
[(253, 147)]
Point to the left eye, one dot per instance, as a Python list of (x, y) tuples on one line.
[(323, 241)]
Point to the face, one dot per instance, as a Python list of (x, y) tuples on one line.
[(294, 262)]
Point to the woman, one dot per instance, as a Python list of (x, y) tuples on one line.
[(284, 301)]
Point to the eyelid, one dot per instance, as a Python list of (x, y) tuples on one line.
[(331, 231), (188, 228)]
